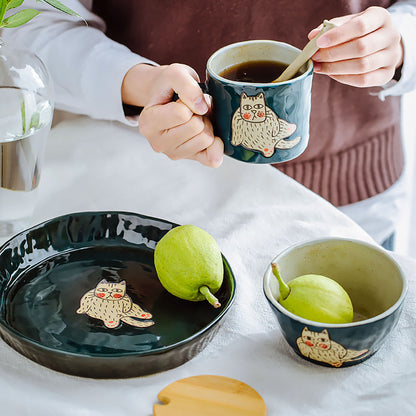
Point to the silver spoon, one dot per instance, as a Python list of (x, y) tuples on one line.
[(308, 51)]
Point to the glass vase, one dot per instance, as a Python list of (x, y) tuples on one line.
[(26, 111)]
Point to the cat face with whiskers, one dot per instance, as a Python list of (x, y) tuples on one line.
[(253, 109), (107, 290), (316, 339)]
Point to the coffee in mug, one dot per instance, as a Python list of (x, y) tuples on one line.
[(256, 71)]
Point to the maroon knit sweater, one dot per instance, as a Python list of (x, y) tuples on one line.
[(355, 149)]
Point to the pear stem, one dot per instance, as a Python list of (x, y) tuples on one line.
[(209, 296), (284, 289)]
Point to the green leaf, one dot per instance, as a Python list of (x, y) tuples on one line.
[(19, 18), (58, 5), (11, 4)]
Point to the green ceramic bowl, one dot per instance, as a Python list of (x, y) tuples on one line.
[(80, 295), (375, 283)]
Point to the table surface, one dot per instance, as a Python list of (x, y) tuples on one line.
[(254, 212)]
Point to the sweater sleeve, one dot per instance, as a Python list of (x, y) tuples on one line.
[(404, 18), (86, 66)]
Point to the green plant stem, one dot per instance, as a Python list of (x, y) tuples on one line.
[(209, 296), (284, 289)]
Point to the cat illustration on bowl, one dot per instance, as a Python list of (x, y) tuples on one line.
[(319, 347)]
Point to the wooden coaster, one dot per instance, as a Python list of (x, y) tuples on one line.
[(208, 396)]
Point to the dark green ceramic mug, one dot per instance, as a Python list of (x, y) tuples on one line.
[(260, 122)]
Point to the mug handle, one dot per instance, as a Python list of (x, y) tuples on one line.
[(202, 85)]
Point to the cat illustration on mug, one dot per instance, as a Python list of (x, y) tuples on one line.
[(319, 347), (110, 303), (257, 127)]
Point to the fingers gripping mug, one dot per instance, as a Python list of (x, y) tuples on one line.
[(259, 122)]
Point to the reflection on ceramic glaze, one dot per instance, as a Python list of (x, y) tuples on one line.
[(20, 254), (131, 229)]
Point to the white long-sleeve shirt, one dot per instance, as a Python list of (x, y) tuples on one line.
[(88, 68)]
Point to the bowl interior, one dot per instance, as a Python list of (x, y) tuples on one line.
[(373, 280)]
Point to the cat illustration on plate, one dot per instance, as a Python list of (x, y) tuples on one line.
[(110, 303), (319, 347), (257, 127)]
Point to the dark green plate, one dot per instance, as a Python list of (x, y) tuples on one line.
[(80, 295)]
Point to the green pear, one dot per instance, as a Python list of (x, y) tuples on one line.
[(315, 297), (189, 264)]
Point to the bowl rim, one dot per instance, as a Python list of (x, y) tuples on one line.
[(16, 335), (268, 293)]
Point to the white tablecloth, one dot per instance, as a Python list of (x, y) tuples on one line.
[(253, 211)]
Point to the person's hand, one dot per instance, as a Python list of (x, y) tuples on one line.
[(181, 129), (363, 51)]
